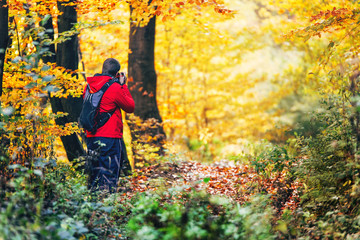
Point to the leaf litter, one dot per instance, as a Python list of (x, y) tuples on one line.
[(238, 182)]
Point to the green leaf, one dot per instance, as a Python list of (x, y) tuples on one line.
[(100, 221), (38, 172), (206, 180), (107, 209), (15, 166), (16, 59), (30, 85), (65, 235), (282, 226), (51, 88), (8, 111), (45, 68), (48, 78)]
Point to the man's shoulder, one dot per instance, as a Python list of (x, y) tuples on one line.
[(115, 85), (114, 89)]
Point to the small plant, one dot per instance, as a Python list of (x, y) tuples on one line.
[(53, 202), (273, 160), (329, 167), (278, 173), (198, 215)]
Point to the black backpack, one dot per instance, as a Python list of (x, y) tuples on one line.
[(90, 117)]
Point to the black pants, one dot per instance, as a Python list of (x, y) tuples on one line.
[(125, 163), (105, 168)]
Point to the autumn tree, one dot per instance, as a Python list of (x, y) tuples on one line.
[(29, 78), (67, 56), (329, 171), (141, 66), (141, 69), (4, 22), (207, 95)]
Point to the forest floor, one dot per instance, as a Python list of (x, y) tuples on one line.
[(238, 182)]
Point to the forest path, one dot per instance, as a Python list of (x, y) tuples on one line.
[(236, 181), (171, 183)]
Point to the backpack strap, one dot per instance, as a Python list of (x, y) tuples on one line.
[(103, 117), (102, 89), (87, 91), (108, 84)]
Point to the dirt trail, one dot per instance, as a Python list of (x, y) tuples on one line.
[(238, 182)]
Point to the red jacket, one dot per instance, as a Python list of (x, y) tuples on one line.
[(116, 97)]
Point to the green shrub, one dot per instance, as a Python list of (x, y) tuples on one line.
[(273, 160), (329, 167), (54, 203), (197, 215), (329, 170)]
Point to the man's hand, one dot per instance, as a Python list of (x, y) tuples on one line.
[(122, 78)]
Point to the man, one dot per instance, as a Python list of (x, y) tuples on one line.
[(106, 141)]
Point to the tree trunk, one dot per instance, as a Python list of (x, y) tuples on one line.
[(141, 69), (4, 37), (67, 57)]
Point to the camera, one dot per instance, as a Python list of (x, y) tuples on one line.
[(121, 77)]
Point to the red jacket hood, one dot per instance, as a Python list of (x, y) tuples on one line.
[(97, 82)]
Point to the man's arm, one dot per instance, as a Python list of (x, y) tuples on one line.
[(124, 99)]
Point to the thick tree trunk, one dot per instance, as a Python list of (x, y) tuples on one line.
[(141, 69), (67, 57), (4, 37)]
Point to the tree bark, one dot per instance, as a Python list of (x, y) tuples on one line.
[(141, 69), (67, 57), (4, 37)]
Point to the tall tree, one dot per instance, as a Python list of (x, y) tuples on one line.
[(141, 70), (4, 36), (67, 57)]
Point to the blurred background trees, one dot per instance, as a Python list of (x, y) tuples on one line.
[(272, 85), (220, 79)]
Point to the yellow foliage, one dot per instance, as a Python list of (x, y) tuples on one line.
[(333, 21), (27, 85), (220, 76)]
